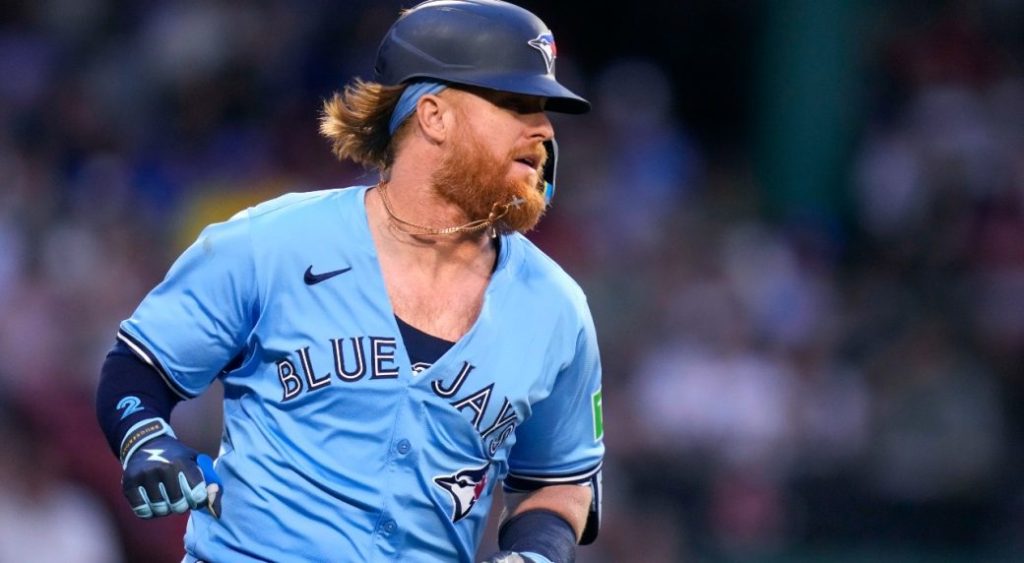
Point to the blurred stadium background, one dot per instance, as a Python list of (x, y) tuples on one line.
[(800, 224)]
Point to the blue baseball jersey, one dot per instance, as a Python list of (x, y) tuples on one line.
[(334, 447)]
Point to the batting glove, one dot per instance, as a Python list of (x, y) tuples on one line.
[(163, 475), (516, 557)]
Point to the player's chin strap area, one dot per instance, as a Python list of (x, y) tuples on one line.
[(550, 169), (498, 211)]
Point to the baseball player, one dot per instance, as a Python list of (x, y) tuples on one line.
[(388, 353)]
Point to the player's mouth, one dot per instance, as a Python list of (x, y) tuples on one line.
[(532, 161)]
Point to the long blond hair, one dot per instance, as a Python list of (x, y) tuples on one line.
[(355, 121)]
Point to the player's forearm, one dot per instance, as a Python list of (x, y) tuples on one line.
[(161, 474), (129, 391), (570, 502), (544, 525)]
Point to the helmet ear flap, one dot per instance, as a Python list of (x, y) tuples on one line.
[(550, 169)]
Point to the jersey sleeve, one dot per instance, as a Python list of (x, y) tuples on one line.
[(191, 325), (562, 441)]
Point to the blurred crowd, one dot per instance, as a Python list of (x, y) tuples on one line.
[(774, 390)]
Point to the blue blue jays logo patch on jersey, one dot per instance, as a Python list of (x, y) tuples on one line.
[(465, 487), (545, 43)]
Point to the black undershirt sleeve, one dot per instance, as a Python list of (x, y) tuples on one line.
[(539, 531), (129, 391)]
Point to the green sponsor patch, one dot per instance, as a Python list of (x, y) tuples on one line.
[(598, 415)]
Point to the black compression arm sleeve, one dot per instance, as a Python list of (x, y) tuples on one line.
[(540, 531), (130, 390)]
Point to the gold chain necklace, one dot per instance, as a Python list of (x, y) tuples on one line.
[(469, 227)]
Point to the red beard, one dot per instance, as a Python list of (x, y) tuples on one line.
[(476, 181)]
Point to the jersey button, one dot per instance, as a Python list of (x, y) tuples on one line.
[(390, 526), (404, 446)]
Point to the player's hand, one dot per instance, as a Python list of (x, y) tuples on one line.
[(164, 476), (516, 557)]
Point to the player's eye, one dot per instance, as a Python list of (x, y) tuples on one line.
[(521, 104)]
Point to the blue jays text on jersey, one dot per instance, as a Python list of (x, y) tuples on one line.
[(352, 367), (334, 446)]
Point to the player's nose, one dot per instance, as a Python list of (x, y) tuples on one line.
[(539, 126)]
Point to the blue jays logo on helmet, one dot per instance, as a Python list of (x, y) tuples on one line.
[(545, 43), (465, 487)]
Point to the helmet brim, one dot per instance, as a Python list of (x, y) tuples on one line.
[(559, 98)]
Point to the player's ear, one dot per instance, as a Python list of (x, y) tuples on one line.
[(430, 113)]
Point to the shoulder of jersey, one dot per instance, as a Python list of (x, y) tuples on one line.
[(541, 272), (292, 202)]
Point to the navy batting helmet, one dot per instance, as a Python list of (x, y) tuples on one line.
[(486, 43)]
